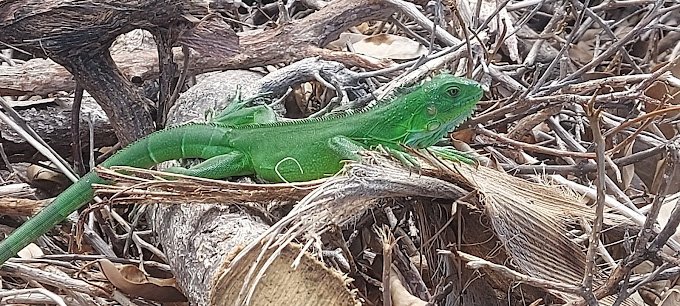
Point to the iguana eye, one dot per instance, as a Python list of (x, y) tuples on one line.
[(431, 110), (453, 91)]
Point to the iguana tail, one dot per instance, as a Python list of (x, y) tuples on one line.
[(192, 140), (71, 199)]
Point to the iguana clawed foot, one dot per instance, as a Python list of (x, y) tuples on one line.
[(450, 153), (411, 162), (406, 159)]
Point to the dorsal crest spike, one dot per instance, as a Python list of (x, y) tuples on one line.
[(400, 92), (305, 120)]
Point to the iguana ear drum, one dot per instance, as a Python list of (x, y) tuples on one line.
[(433, 125)]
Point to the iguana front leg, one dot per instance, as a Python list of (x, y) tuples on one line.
[(345, 148), (219, 167)]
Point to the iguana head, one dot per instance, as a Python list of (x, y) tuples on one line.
[(444, 103)]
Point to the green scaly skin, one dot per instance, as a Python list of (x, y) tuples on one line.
[(246, 142)]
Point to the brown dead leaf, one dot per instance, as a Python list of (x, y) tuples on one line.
[(668, 93), (31, 251), (38, 173), (628, 172), (46, 179), (134, 282), (665, 214), (582, 51), (655, 290), (464, 135), (388, 46), (661, 90), (672, 298), (340, 44)]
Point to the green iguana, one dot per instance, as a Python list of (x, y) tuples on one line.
[(245, 141)]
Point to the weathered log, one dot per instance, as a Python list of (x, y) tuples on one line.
[(43, 76), (52, 122)]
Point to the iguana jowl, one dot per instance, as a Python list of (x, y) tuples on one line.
[(239, 143)]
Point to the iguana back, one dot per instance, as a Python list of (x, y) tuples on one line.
[(300, 150)]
